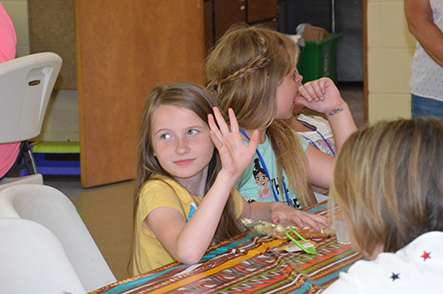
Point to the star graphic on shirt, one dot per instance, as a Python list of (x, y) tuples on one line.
[(395, 276), (426, 255)]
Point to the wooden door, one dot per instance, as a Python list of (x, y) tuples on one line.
[(228, 12), (262, 10), (124, 49)]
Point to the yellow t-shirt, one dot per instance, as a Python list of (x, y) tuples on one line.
[(149, 252)]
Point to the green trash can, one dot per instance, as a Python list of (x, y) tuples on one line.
[(319, 59)]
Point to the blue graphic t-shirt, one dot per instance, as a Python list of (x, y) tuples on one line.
[(255, 186)]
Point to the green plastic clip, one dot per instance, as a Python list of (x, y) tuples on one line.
[(310, 250)]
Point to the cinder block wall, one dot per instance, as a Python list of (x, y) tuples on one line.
[(390, 51)]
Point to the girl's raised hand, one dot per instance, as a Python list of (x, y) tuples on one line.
[(234, 154), (321, 95)]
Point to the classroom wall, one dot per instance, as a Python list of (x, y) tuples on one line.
[(390, 51), (61, 121)]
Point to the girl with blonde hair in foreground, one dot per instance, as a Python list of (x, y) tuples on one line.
[(388, 183)]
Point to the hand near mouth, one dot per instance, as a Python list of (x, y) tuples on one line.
[(321, 95)]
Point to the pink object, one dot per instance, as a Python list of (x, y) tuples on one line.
[(8, 39), (8, 43)]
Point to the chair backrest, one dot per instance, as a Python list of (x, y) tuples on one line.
[(32, 260), (52, 209), (26, 85), (31, 179)]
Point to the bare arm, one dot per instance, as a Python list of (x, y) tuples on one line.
[(321, 167), (323, 96), (342, 123), (279, 212), (188, 241), (421, 25)]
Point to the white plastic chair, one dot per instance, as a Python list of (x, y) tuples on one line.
[(52, 209), (32, 260), (31, 179), (26, 84)]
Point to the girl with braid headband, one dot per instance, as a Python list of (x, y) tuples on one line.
[(253, 71)]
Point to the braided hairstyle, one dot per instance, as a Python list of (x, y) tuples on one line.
[(244, 71)]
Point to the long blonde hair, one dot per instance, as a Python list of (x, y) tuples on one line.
[(388, 182), (244, 70)]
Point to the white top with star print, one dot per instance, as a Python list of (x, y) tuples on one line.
[(416, 268)]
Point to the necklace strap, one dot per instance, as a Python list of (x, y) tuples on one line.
[(320, 134), (267, 173)]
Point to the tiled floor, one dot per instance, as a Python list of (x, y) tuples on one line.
[(107, 211)]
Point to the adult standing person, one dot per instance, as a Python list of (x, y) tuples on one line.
[(425, 22), (8, 42)]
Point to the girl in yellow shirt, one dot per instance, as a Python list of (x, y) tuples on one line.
[(185, 197)]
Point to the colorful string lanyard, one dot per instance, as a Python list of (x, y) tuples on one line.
[(312, 142), (267, 174)]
